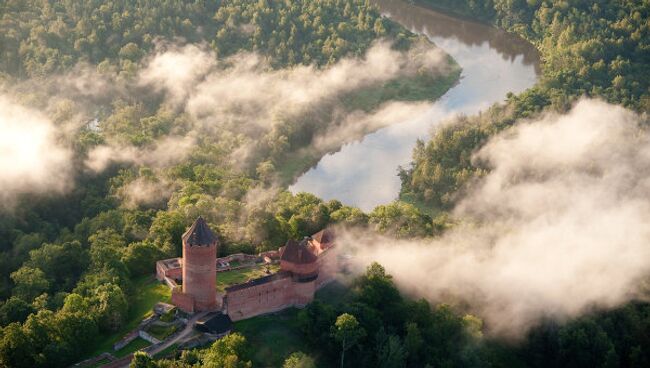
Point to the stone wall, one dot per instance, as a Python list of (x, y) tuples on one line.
[(147, 336)]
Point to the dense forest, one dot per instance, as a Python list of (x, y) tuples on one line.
[(69, 261), (588, 49), (594, 49), (384, 329)]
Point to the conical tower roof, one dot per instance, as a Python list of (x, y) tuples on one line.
[(199, 234)]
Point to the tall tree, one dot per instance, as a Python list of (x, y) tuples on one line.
[(347, 332)]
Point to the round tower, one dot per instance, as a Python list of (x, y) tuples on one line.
[(200, 266)]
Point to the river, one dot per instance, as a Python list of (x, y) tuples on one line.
[(364, 173)]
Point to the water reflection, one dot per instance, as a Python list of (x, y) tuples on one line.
[(494, 63)]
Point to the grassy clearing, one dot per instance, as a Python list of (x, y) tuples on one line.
[(132, 347), (161, 332), (168, 352), (274, 337), (228, 278), (147, 292)]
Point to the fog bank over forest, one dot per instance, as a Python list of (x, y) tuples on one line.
[(241, 95), (559, 225), (31, 156)]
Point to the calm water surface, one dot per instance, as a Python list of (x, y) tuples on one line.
[(364, 173)]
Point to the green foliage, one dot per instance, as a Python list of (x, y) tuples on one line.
[(46, 338), (142, 360), (30, 283), (161, 332), (397, 332), (299, 360), (298, 32), (273, 337), (110, 307), (169, 315), (62, 263), (140, 258), (134, 346), (43, 38), (598, 50), (390, 350), (82, 253), (14, 310), (228, 351), (401, 220), (347, 332)]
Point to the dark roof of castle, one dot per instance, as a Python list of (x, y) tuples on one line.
[(298, 253), (325, 236), (215, 323), (199, 234)]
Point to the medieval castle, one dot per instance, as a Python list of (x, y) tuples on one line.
[(305, 266)]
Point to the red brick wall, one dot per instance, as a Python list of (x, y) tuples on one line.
[(328, 267), (174, 273), (269, 297), (160, 272), (199, 275), (163, 271), (301, 269), (183, 301), (283, 293)]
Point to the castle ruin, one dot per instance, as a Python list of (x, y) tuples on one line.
[(305, 266)]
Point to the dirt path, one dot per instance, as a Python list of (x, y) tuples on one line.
[(179, 336), (124, 363)]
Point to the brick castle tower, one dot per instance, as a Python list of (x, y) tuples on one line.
[(199, 268)]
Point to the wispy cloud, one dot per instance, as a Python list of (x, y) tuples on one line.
[(32, 157), (558, 227)]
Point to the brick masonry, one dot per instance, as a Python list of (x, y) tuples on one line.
[(293, 286)]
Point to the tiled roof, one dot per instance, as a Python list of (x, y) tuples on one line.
[(199, 234), (215, 323), (298, 253), (325, 236)]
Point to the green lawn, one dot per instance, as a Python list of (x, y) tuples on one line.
[(168, 352), (273, 337), (228, 278), (161, 332), (132, 347), (148, 292)]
